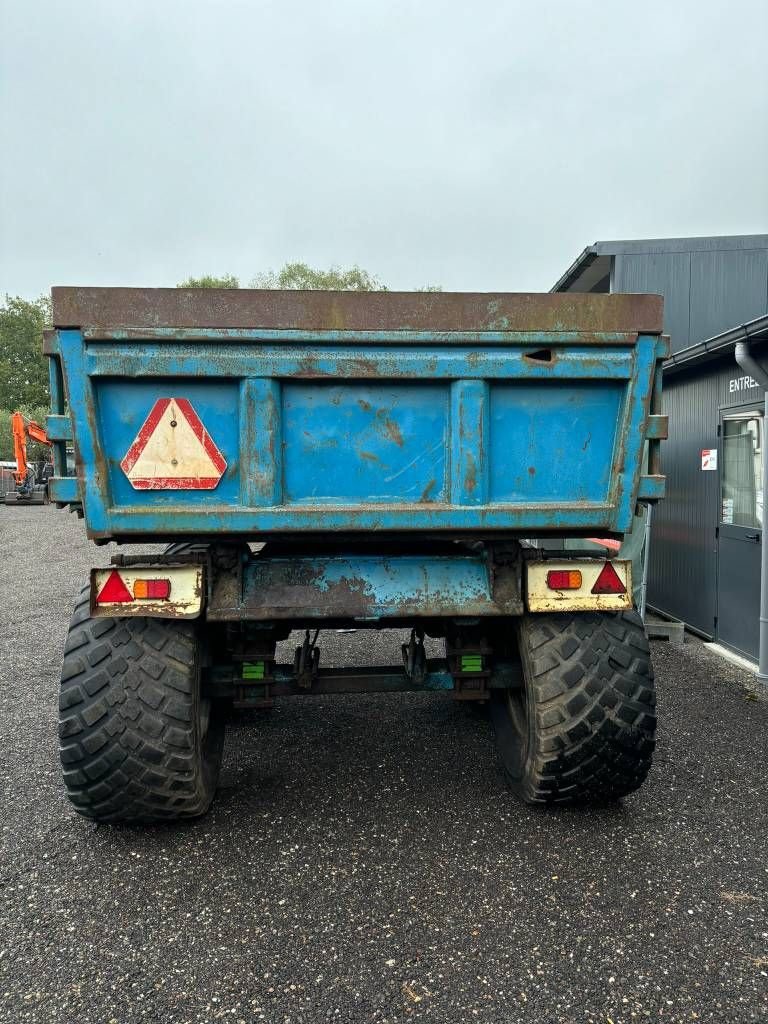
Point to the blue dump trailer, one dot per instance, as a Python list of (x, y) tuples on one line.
[(318, 460)]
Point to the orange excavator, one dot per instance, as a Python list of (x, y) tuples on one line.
[(31, 479)]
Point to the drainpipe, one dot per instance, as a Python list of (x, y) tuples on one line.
[(749, 364), (646, 560)]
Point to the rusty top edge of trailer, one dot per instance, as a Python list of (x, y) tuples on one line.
[(241, 308)]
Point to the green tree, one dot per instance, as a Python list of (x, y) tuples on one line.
[(23, 367), (211, 281), (302, 276)]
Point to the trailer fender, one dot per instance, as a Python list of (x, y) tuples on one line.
[(578, 585), (160, 591)]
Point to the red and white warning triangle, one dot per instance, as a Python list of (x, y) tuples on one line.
[(173, 451)]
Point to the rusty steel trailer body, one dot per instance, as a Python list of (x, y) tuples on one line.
[(321, 459)]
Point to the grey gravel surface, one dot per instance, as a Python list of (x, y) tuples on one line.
[(363, 861)]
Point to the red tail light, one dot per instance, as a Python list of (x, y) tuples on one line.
[(564, 579), (608, 582), (159, 590)]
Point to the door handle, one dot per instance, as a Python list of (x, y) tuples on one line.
[(752, 536)]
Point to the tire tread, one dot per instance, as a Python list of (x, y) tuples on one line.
[(128, 721), (591, 690)]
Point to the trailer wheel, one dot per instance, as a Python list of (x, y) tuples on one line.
[(137, 740), (582, 726)]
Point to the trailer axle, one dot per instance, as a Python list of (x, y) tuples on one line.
[(249, 684)]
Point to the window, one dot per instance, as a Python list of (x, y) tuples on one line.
[(742, 471)]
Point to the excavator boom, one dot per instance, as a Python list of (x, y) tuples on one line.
[(28, 490)]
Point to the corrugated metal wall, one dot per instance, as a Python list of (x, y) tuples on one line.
[(667, 274), (683, 566), (705, 291), (709, 286), (712, 287)]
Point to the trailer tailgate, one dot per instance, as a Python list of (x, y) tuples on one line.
[(198, 412)]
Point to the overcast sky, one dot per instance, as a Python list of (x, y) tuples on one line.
[(477, 146)]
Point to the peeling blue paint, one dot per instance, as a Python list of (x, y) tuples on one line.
[(334, 431), (370, 586)]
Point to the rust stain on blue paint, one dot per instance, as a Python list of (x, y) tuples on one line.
[(391, 429)]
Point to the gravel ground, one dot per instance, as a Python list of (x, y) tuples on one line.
[(363, 861)]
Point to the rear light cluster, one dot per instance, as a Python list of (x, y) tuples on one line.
[(158, 590), (116, 591), (608, 581), (564, 579)]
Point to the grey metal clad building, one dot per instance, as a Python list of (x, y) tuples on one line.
[(707, 533)]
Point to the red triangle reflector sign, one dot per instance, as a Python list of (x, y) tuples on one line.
[(114, 590), (173, 451), (608, 582)]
